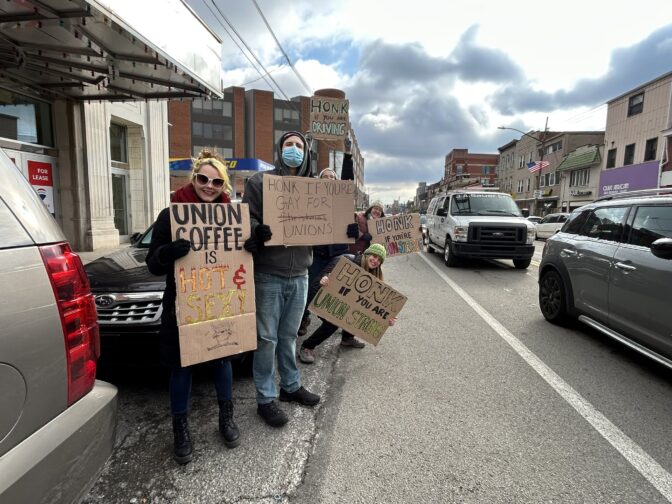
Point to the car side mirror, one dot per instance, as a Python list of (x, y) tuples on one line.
[(441, 212), (662, 248), (135, 237)]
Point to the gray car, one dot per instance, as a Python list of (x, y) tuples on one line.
[(57, 422), (611, 266)]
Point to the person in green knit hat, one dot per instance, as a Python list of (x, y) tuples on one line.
[(372, 261)]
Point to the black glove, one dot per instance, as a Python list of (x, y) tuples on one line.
[(262, 233), (353, 230), (251, 245), (367, 237), (174, 250)]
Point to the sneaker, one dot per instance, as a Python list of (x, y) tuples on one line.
[(272, 415), (302, 396), (352, 342), (306, 355), (303, 328)]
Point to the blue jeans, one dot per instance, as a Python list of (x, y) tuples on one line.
[(180, 385), (280, 302)]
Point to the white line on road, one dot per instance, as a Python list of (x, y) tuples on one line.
[(633, 453)]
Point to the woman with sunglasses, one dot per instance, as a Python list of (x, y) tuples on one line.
[(209, 184)]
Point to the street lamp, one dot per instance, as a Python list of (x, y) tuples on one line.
[(542, 140)]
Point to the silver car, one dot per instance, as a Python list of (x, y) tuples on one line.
[(550, 225), (611, 266), (57, 422)]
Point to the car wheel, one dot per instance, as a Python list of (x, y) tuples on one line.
[(553, 297), (522, 263), (448, 255)]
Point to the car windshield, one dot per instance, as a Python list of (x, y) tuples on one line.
[(484, 204)]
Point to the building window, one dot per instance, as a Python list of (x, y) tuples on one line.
[(118, 146), (636, 104), (197, 128), (528, 184), (650, 150), (611, 158), (579, 177), (520, 186), (486, 170), (629, 156), (459, 170), (556, 146), (25, 119)]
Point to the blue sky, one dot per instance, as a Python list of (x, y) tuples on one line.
[(425, 77)]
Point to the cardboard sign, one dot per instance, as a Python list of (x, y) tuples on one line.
[(215, 281), (329, 118), (308, 211), (357, 302), (399, 234)]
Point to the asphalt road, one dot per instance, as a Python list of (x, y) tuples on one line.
[(471, 397)]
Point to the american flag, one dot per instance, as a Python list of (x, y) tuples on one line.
[(537, 165)]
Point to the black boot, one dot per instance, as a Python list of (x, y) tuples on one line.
[(182, 450), (227, 427)]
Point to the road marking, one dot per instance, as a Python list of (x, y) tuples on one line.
[(631, 451)]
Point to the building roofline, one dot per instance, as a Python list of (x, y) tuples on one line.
[(642, 86), (507, 145)]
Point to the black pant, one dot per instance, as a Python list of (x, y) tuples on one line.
[(325, 330)]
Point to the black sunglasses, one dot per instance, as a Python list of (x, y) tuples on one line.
[(205, 180)]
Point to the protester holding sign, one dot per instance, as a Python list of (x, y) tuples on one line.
[(322, 254), (281, 285), (375, 211), (209, 184), (372, 262)]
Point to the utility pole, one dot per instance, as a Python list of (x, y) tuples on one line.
[(541, 167)]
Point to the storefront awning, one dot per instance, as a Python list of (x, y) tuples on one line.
[(117, 50)]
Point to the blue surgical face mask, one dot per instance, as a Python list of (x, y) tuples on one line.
[(292, 156)]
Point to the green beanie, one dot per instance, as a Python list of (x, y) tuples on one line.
[(378, 250)]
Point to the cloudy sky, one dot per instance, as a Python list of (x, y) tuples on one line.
[(424, 77)]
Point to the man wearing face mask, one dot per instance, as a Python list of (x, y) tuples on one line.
[(281, 285)]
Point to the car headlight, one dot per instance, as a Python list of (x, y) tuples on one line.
[(460, 233), (531, 233)]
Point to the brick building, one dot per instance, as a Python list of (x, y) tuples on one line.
[(246, 125), (462, 168)]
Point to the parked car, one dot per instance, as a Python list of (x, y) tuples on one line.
[(534, 219), (479, 224), (550, 225), (611, 266), (128, 299), (57, 422)]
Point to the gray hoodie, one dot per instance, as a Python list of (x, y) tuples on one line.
[(277, 260)]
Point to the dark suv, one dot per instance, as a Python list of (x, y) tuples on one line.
[(611, 266), (128, 299)]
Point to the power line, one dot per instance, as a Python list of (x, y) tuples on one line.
[(263, 76), (251, 53), (303, 82)]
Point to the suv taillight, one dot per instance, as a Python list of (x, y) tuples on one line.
[(78, 316)]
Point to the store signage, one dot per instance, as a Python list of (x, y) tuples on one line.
[(40, 176), (578, 192), (629, 178)]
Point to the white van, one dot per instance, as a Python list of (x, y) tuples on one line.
[(479, 224)]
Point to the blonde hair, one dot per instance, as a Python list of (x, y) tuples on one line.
[(377, 272), (206, 157)]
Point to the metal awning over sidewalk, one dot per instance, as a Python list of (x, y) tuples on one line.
[(119, 50)]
